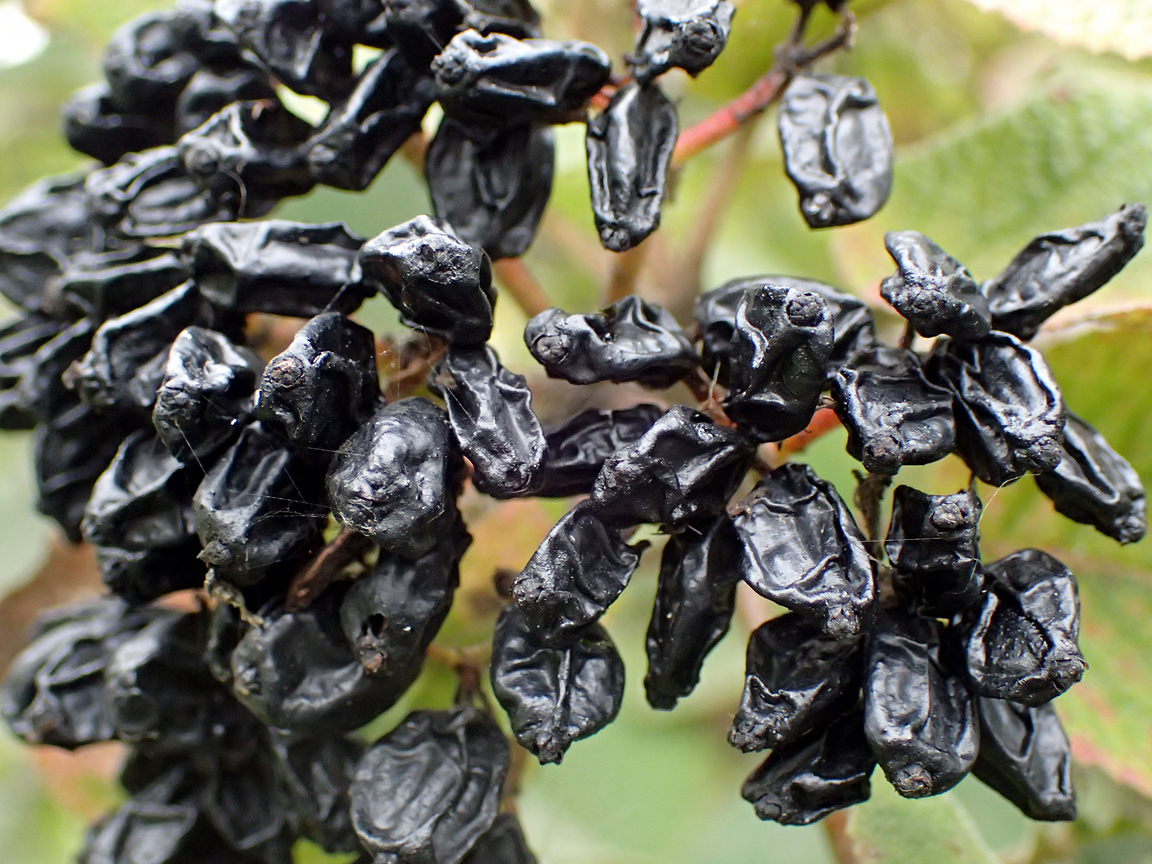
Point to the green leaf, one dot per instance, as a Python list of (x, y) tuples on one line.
[(1108, 715), (1123, 27), (1073, 153), (890, 830), (23, 533)]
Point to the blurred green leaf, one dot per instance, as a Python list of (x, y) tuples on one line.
[(1111, 826), (1122, 26), (309, 853), (34, 828), (397, 195), (1071, 154), (928, 63), (23, 532), (889, 830)]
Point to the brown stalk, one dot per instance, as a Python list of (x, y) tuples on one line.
[(836, 828), (325, 569), (626, 272), (524, 289)]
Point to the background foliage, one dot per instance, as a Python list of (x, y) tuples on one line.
[(1029, 116)]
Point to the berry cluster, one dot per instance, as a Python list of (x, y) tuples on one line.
[(322, 519)]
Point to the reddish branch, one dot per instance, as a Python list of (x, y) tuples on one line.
[(823, 422), (325, 568)]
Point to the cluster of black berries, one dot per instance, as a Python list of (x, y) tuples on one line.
[(166, 442), (930, 664)]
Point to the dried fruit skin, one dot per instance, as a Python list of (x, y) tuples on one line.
[(933, 543), (144, 499), (212, 90), (682, 470), (316, 773), (257, 507), (440, 284), (205, 395), (578, 447), (893, 414), (687, 34), (1008, 408), (249, 149), (392, 612), (126, 362), (493, 191), (853, 330), (1062, 267), (802, 549), (396, 479), (503, 844), (574, 576), (629, 148), (161, 696), (144, 575), (94, 126), (1095, 485), (500, 79), (20, 340), (1024, 755), (797, 679), (148, 61), (151, 194), (421, 28), (71, 450), (932, 290), (803, 782), (490, 410), (310, 508), (554, 695), (695, 599), (275, 266), (297, 672), (429, 789), (837, 148), (324, 386), (167, 830), (631, 340), (364, 131), (105, 284), (40, 229), (919, 717), (1022, 644), (53, 691), (780, 347), (295, 41)]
